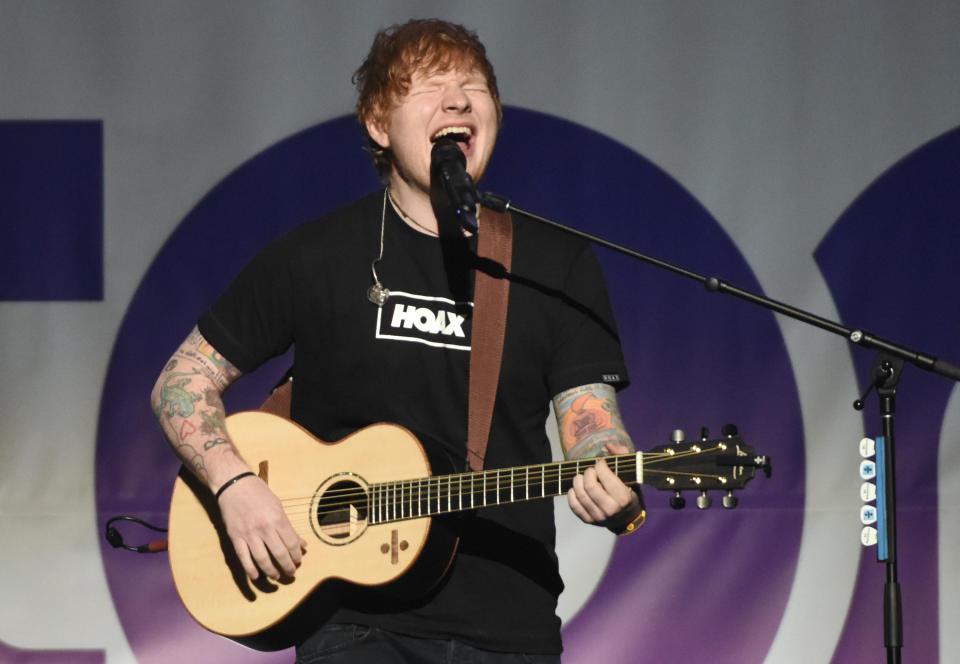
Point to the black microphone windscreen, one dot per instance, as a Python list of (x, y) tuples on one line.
[(446, 149)]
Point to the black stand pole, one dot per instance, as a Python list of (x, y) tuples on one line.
[(892, 606), (886, 375)]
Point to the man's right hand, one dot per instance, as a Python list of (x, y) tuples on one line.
[(261, 533), (186, 400)]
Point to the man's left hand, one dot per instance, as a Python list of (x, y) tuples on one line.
[(599, 497)]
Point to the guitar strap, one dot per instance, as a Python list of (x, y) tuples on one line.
[(281, 398), (490, 296)]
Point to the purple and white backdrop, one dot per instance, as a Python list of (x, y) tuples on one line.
[(809, 151)]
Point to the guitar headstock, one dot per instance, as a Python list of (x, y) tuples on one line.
[(720, 464)]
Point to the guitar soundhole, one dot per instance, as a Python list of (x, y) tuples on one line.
[(341, 511)]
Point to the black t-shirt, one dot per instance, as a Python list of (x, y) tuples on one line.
[(407, 362)]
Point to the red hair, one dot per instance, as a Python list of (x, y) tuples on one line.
[(421, 45)]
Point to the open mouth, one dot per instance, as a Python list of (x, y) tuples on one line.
[(463, 135)]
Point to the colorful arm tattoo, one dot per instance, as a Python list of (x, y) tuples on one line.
[(589, 419), (187, 400), (199, 350)]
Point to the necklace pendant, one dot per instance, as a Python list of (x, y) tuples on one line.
[(378, 294)]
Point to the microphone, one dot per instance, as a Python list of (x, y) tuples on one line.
[(450, 165)]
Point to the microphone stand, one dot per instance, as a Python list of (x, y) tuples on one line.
[(887, 370)]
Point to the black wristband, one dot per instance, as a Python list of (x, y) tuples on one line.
[(230, 482), (638, 520)]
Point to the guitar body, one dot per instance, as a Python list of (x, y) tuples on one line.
[(323, 489)]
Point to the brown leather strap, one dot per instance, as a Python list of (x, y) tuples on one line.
[(279, 401), (490, 295)]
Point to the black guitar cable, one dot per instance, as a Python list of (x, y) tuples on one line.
[(116, 539)]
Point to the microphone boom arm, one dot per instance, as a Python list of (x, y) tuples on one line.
[(858, 337)]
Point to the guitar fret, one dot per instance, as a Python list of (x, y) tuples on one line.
[(526, 482), (511, 485), (498, 486), (543, 480), (473, 494), (460, 491)]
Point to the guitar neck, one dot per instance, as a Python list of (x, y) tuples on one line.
[(445, 494)]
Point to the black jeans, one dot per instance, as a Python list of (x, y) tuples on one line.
[(359, 644)]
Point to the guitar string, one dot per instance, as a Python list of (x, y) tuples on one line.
[(405, 506), (411, 500), (449, 485), (408, 493), (452, 485), (550, 472)]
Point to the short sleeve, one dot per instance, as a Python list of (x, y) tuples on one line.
[(252, 320), (587, 348)]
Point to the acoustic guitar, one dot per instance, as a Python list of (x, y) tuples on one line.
[(368, 506)]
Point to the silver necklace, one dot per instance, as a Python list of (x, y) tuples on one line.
[(377, 294), (407, 217)]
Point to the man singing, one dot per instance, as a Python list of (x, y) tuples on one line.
[(405, 360)]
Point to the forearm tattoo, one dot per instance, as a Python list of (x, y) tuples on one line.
[(589, 419), (187, 401)]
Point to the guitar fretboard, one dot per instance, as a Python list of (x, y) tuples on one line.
[(444, 494)]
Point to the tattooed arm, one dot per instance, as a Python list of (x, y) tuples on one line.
[(186, 401), (590, 426)]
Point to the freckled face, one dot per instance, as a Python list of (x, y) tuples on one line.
[(457, 104)]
